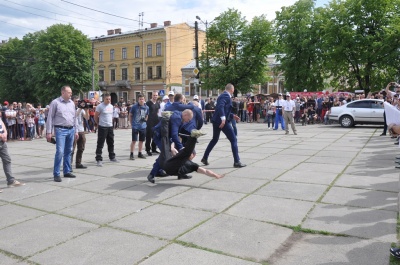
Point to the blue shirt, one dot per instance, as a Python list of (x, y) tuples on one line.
[(139, 114)]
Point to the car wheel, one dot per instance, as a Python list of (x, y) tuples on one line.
[(346, 121)]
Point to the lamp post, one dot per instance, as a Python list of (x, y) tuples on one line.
[(208, 62)]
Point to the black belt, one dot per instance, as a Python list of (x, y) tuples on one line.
[(64, 127)]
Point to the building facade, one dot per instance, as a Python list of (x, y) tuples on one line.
[(143, 61)]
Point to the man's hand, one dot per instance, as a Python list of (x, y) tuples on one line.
[(222, 124), (236, 117), (76, 136), (48, 137), (3, 137)]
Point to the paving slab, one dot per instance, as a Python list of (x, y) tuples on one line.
[(152, 192), (362, 198), (321, 168), (101, 246), (329, 153), (112, 208), (366, 182), (299, 191), (270, 209), (180, 255), (229, 183), (107, 185), (204, 199), (275, 163), (352, 221), (174, 221), (29, 190), (247, 239), (318, 249), (41, 233), (253, 172), (314, 177), (362, 170), (17, 214), (58, 199), (8, 260), (81, 178)]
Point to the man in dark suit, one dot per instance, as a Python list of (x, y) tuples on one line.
[(221, 121)]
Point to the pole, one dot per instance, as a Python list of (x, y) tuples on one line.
[(92, 65), (196, 45), (208, 61)]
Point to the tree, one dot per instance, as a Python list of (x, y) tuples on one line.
[(237, 51), (360, 42), (298, 42), (63, 56)]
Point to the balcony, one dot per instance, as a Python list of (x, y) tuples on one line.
[(102, 84), (123, 83)]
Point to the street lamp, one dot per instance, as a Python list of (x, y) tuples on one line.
[(208, 61)]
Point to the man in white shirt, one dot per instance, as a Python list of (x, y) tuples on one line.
[(278, 113), (289, 106)]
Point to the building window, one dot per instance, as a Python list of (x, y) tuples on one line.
[(112, 54), (149, 50), (137, 52), (124, 73), (158, 49), (150, 72), (112, 74), (137, 73), (101, 75), (124, 53), (100, 56), (158, 72)]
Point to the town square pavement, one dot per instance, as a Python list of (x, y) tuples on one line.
[(328, 195)]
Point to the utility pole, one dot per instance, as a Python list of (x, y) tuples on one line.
[(196, 48), (92, 65)]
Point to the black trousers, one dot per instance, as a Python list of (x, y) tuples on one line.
[(150, 144), (180, 164), (105, 134)]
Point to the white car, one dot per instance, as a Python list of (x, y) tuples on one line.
[(363, 111)]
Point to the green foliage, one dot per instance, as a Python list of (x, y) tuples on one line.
[(237, 51), (34, 69)]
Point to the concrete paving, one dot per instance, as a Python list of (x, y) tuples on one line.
[(328, 195)]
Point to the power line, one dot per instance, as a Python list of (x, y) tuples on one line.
[(104, 12), (49, 17), (18, 25)]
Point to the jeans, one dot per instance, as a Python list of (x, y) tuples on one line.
[(279, 119), (244, 115), (5, 158), (270, 119), (105, 134), (21, 130), (64, 142), (31, 132)]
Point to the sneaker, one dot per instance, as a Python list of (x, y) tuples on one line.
[(197, 133), (395, 252), (16, 183), (99, 163), (149, 153), (140, 155), (166, 114), (114, 160), (131, 157)]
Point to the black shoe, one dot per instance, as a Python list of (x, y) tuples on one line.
[(71, 170), (238, 164), (131, 157), (149, 153), (150, 178), (396, 143), (69, 175), (185, 177), (383, 134), (57, 179), (395, 252), (155, 152), (80, 166), (204, 161), (162, 174), (140, 155)]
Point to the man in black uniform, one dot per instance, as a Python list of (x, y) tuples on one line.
[(152, 121)]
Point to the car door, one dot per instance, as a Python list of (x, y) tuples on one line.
[(360, 110), (377, 110)]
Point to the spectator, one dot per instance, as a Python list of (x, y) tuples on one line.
[(138, 117), (115, 116)]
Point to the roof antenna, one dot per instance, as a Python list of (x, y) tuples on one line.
[(141, 15)]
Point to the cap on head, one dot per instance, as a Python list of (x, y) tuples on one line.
[(195, 97), (171, 93), (288, 94), (280, 94), (165, 97), (6, 103)]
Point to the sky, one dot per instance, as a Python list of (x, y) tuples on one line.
[(19, 17)]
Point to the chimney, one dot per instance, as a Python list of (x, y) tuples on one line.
[(110, 32), (153, 25), (117, 31), (167, 23)]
